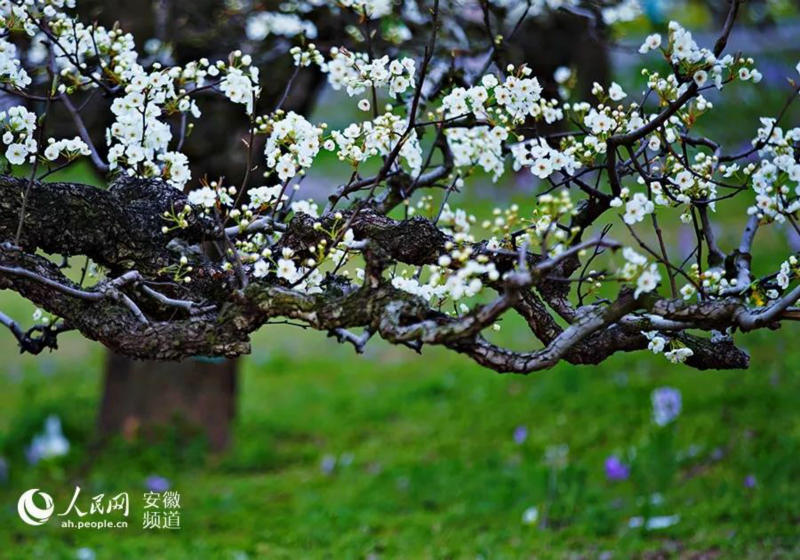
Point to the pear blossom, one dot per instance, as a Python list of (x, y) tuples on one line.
[(648, 280), (615, 92), (637, 208), (16, 153), (652, 42)]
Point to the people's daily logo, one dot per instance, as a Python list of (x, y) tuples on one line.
[(162, 510), (35, 507)]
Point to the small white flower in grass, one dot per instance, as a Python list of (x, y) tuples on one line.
[(667, 404), (647, 281), (530, 516), (662, 521), (658, 522), (85, 553), (364, 105), (615, 92), (50, 443)]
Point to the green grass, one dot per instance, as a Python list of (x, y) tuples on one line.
[(435, 472)]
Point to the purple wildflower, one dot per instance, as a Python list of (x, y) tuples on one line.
[(616, 469), (520, 435), (328, 464), (666, 405), (155, 483), (750, 481)]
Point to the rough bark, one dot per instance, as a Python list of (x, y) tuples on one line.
[(216, 319)]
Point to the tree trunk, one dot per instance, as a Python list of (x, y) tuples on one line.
[(142, 397)]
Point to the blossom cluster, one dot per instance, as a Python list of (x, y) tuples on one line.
[(292, 144), (456, 277), (355, 72), (138, 138), (699, 63), (676, 354), (85, 55), (542, 159), (515, 99), (18, 125), (259, 25), (70, 148), (359, 142), (92, 56), (775, 178), (240, 84), (636, 268), (11, 71)]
